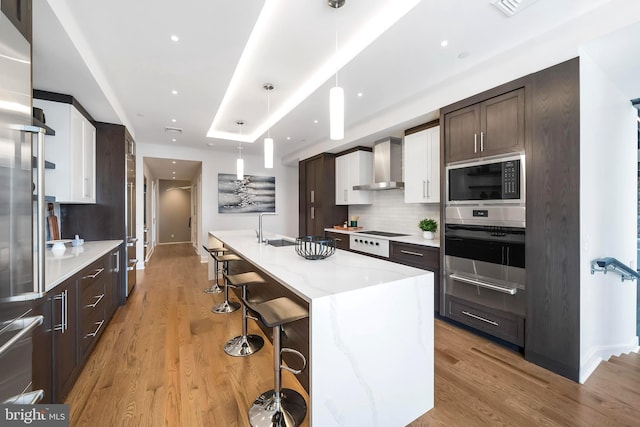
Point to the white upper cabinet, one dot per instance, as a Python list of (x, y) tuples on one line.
[(355, 168), (73, 150), (422, 166)]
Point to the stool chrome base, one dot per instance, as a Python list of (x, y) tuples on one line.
[(225, 307), (243, 345), (213, 289), (264, 411)]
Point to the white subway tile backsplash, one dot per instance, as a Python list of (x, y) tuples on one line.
[(389, 212)]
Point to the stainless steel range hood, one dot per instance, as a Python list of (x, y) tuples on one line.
[(387, 166)]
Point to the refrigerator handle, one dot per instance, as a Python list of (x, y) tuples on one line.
[(39, 235)]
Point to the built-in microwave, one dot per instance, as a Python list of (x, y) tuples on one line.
[(487, 181)]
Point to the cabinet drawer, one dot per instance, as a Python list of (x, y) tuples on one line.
[(424, 257), (91, 327), (92, 295), (342, 240), (503, 325), (94, 272)]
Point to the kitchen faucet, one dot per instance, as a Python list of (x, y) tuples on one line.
[(260, 239)]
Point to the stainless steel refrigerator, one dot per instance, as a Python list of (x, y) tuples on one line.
[(21, 219)]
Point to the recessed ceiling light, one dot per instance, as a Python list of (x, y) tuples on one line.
[(315, 121), (174, 177), (174, 162), (173, 120), (175, 92), (444, 43), (288, 138), (174, 172), (174, 38), (360, 94), (173, 139)]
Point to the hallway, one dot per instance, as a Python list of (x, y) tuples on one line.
[(160, 362)]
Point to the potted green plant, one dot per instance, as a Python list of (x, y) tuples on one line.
[(428, 226)]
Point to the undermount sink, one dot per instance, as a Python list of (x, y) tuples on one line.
[(281, 242)]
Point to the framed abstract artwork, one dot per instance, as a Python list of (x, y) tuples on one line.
[(251, 194)]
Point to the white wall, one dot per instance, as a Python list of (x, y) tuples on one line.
[(608, 212), (214, 162), (389, 212)]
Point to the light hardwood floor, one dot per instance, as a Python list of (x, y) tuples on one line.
[(160, 363)]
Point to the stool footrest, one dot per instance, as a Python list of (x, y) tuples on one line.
[(297, 353)]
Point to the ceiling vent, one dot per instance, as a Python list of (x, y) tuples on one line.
[(172, 129), (511, 7)]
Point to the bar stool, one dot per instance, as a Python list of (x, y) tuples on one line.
[(279, 407), (245, 344), (226, 306), (214, 289)]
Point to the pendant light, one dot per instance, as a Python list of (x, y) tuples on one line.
[(240, 161), (268, 141), (336, 94)]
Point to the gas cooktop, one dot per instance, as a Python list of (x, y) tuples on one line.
[(381, 233)]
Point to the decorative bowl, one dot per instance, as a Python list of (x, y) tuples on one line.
[(315, 247)]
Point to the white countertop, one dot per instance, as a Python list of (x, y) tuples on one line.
[(342, 272), (413, 239), (74, 259)]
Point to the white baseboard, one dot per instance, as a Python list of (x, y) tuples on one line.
[(597, 354)]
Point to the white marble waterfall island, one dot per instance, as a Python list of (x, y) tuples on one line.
[(370, 331)]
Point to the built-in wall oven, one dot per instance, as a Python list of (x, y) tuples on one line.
[(484, 231), (485, 279)]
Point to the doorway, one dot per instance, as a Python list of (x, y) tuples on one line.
[(175, 207)]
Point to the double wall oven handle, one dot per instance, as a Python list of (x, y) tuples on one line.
[(475, 142), (481, 142), (483, 284)]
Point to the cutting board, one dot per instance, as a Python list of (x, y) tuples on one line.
[(52, 219), (341, 227)]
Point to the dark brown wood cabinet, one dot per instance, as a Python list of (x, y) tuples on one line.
[(488, 128), (342, 240), (424, 257), (80, 312), (553, 221), (65, 337), (317, 198), (19, 13)]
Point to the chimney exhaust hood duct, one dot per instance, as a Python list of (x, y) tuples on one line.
[(387, 165)]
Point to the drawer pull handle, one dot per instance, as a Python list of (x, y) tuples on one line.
[(94, 275), (466, 313), (411, 253), (95, 303), (94, 333), (487, 285)]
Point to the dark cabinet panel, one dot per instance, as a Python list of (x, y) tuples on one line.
[(502, 124), (501, 324), (65, 344), (19, 13), (424, 257), (42, 370), (342, 240), (317, 208), (553, 246), (494, 126), (460, 133)]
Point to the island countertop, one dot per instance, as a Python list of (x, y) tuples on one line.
[(370, 331), (310, 279)]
